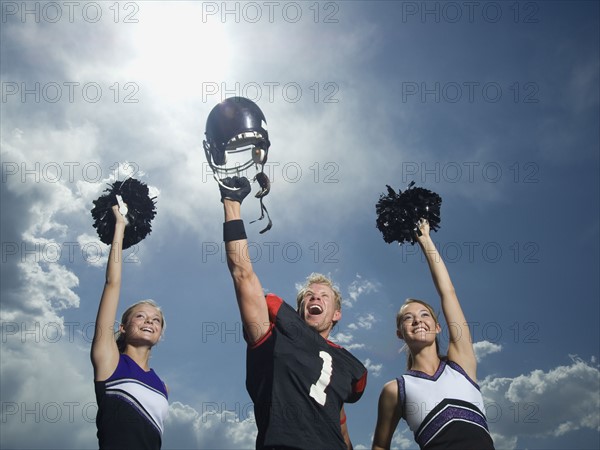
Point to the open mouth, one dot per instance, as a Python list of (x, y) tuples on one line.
[(150, 330), (315, 310)]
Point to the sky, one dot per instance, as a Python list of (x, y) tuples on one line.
[(493, 105)]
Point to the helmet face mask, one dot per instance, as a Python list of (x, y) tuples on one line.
[(235, 127)]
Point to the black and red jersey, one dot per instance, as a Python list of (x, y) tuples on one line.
[(299, 382)]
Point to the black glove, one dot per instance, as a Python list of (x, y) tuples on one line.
[(234, 188)]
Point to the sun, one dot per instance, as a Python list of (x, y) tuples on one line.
[(176, 51)]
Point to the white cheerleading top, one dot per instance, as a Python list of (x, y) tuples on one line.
[(445, 408)]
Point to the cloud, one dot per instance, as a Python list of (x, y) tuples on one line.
[(403, 439), (374, 369), (346, 340), (351, 347), (343, 338), (358, 288), (485, 348), (49, 199), (40, 285), (543, 404), (365, 322), (94, 252), (47, 390), (583, 80), (214, 427)]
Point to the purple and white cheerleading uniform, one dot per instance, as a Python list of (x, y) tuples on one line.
[(132, 405), (445, 410)]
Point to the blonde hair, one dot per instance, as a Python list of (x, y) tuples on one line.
[(408, 301), (318, 278), (121, 344)]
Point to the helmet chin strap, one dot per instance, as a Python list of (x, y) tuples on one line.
[(259, 156), (265, 188)]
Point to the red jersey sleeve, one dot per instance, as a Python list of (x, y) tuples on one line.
[(273, 305)]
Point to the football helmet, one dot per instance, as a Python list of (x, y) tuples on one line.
[(235, 127), (236, 139)]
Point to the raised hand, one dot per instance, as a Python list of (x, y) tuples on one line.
[(234, 188)]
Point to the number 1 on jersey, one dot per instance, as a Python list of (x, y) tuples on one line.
[(317, 390)]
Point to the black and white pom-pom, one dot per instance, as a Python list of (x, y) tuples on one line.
[(398, 214), (141, 209)]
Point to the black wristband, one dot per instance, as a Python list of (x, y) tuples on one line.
[(233, 230)]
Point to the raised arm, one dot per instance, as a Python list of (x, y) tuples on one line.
[(248, 290), (460, 346), (388, 416), (104, 353)]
